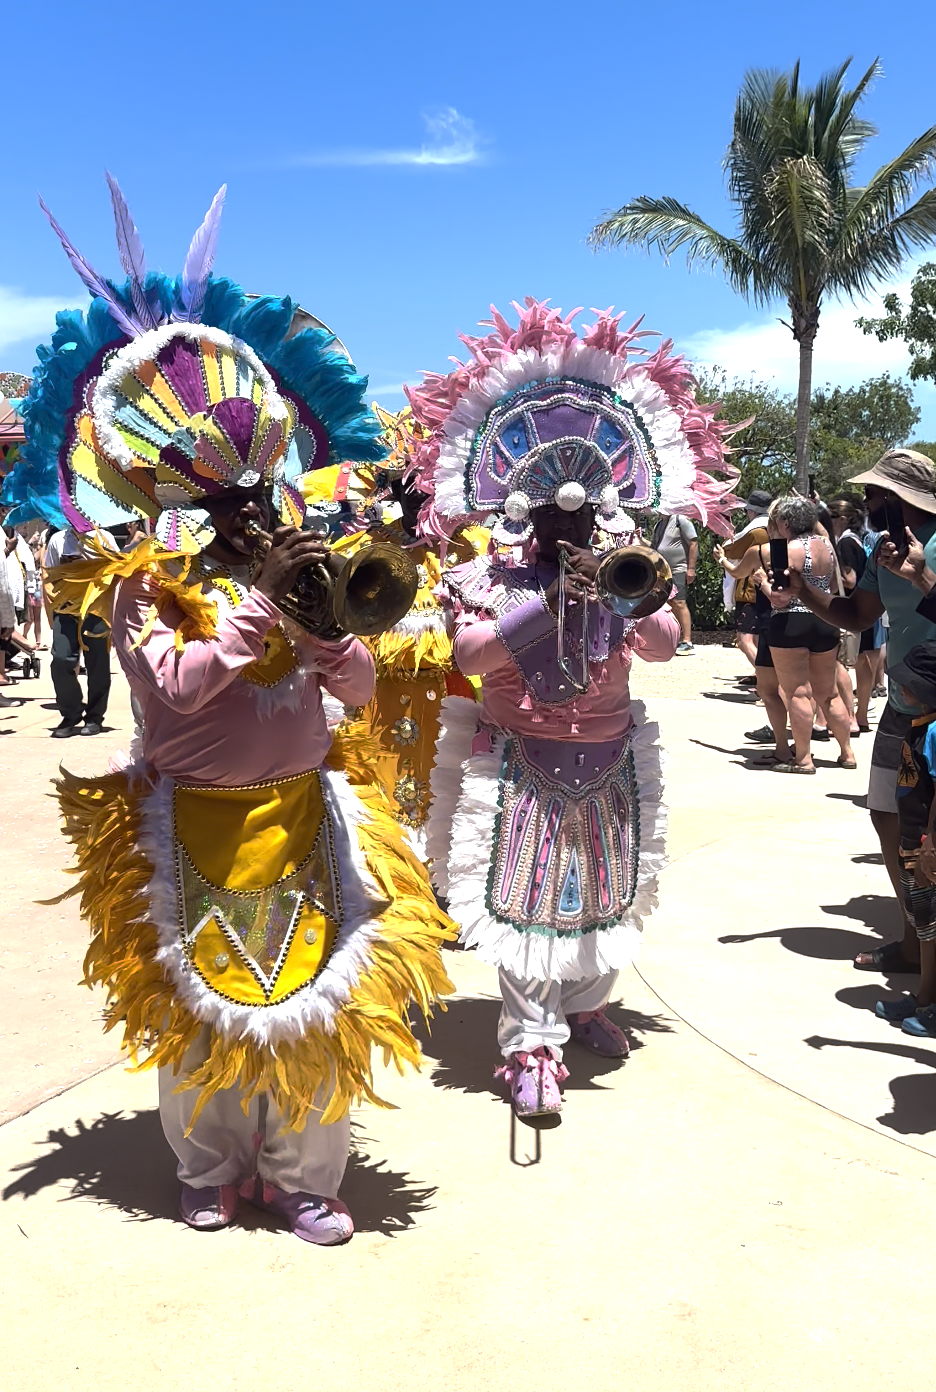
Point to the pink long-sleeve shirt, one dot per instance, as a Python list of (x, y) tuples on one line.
[(203, 724), (602, 713)]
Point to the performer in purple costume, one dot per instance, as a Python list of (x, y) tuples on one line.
[(547, 830)]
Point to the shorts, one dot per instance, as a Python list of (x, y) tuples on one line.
[(893, 728), (762, 657), (747, 619), (872, 638), (795, 628), (679, 585)]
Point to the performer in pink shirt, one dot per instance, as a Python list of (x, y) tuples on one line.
[(547, 826), (259, 927)]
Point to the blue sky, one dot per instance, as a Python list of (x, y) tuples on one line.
[(398, 167)]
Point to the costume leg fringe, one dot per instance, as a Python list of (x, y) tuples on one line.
[(102, 819)]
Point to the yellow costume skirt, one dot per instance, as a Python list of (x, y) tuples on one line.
[(289, 916)]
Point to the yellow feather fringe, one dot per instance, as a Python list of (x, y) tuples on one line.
[(102, 820), (395, 653)]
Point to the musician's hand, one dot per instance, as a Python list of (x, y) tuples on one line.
[(577, 592), (580, 560), (290, 551)]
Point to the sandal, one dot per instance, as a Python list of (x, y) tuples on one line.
[(846, 763), (792, 768), (888, 958), (864, 729)]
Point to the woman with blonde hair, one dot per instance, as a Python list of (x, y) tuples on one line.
[(804, 649)]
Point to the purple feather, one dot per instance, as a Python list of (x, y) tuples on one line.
[(130, 248), (199, 261), (93, 281)]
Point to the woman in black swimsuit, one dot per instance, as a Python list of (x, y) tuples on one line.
[(803, 648)]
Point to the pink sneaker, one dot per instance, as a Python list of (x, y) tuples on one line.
[(596, 1033), (209, 1208), (325, 1222), (534, 1082)]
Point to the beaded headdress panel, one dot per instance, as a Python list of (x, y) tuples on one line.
[(169, 391), (541, 415)]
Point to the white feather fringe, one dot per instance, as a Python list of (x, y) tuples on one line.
[(314, 1007), (458, 725), (573, 360), (534, 956)]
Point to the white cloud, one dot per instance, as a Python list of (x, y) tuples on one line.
[(843, 355), (385, 389), (451, 139), (24, 317)]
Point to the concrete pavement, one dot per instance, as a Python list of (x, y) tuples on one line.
[(733, 1208)]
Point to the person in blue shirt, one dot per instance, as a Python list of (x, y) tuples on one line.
[(916, 804), (890, 584)]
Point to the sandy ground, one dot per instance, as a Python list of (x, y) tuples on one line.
[(731, 1208)]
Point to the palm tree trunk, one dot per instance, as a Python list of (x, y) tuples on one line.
[(803, 399), (805, 325)]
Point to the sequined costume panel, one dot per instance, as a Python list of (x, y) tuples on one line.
[(567, 836)]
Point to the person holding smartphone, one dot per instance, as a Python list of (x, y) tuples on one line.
[(803, 647), (893, 582)]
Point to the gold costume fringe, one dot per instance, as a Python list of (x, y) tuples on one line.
[(102, 819)]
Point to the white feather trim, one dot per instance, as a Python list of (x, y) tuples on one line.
[(573, 360), (538, 957), (458, 725), (316, 1006), (144, 349)]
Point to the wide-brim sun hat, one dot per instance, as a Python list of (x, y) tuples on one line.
[(906, 472)]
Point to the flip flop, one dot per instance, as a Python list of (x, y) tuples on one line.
[(846, 763), (888, 958), (793, 768)]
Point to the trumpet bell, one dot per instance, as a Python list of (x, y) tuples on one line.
[(374, 589), (631, 578)]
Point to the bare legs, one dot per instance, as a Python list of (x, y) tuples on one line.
[(681, 613), (792, 668), (747, 643), (864, 684), (887, 826), (768, 689), (802, 676)]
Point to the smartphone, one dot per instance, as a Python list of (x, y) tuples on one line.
[(779, 564), (812, 485), (896, 526)]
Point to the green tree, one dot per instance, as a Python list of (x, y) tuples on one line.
[(916, 324), (804, 229), (852, 428)]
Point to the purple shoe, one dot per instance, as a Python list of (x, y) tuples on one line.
[(534, 1082), (208, 1208), (325, 1222), (596, 1033)]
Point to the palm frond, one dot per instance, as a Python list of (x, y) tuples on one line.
[(884, 196), (666, 225), (861, 262), (846, 133)]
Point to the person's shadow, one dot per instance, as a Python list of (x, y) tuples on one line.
[(121, 1160), (878, 912), (462, 1046), (914, 1095)]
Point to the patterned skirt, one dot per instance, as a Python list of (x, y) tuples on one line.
[(554, 849)]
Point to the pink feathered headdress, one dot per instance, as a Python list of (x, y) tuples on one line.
[(540, 414)]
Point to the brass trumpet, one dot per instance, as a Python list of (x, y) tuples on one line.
[(629, 578), (364, 594)]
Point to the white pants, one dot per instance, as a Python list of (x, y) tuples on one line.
[(534, 1012), (227, 1147)]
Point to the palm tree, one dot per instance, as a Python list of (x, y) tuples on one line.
[(804, 229)]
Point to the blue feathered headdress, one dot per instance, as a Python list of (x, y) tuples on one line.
[(169, 389)]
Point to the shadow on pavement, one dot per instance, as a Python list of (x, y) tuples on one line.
[(914, 1095), (463, 1044), (876, 911), (122, 1161)]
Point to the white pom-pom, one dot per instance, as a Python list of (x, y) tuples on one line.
[(570, 496), (517, 507), (609, 500)]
